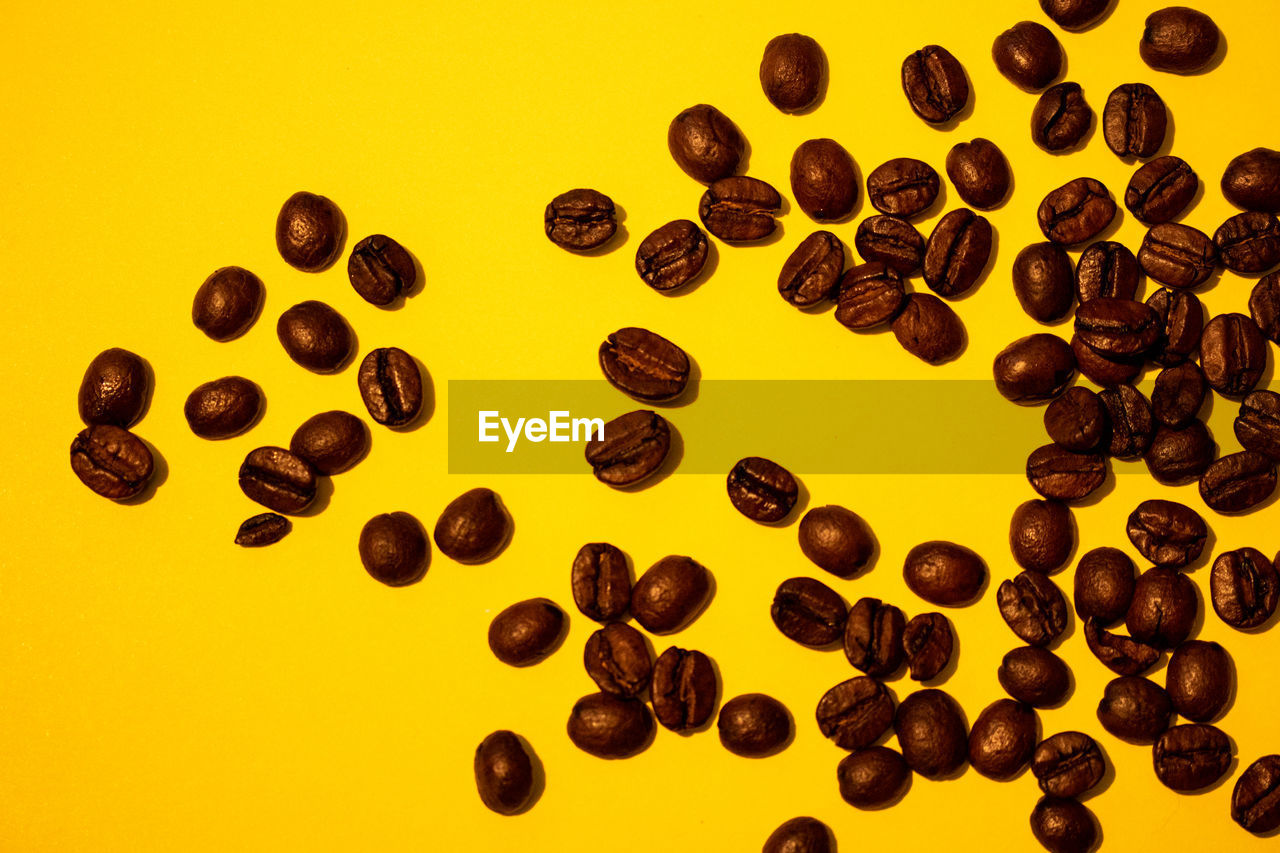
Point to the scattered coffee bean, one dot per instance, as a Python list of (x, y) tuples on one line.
[(381, 270), (1182, 322), (111, 461), (607, 726), (754, 725), (1178, 255), (601, 582), (1028, 55), (935, 84), (931, 733), (1199, 680), (580, 220), (928, 643), (1120, 654), (1179, 40), (762, 490), (1064, 825), (1077, 421), (669, 594), (526, 632), (1134, 121), (227, 303), (705, 143), (1074, 15), (1104, 370), (892, 240), (1104, 583), (1180, 456), (1135, 709), (856, 712), (740, 209), (114, 390), (980, 172), (1076, 212), (1249, 242), (1043, 281), (391, 386), (331, 441), (1034, 369), (1061, 118), (957, 252), (394, 549), (791, 72), (870, 295), (1255, 801), (1107, 268), (278, 479), (223, 407), (474, 527), (836, 539), (1161, 190), (683, 689), (1061, 475), (644, 365), (1264, 306), (316, 337), (1238, 482), (309, 232), (1034, 676), (504, 773), (929, 329), (1251, 181), (1002, 739), (1117, 328), (903, 187), (1067, 764), (872, 777), (1167, 533), (824, 180), (1041, 535), (618, 660), (873, 637), (944, 573), (1178, 395), (1245, 587), (1163, 608), (264, 529), (1258, 425), (1192, 756), (1132, 424), (1033, 608), (800, 835), (633, 448), (809, 612), (672, 256), (812, 272)]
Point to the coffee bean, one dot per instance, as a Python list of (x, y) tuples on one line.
[(1043, 281), (935, 84), (1249, 242), (836, 539), (1067, 764), (1104, 583), (1002, 739), (1199, 680), (1041, 535), (1178, 255), (791, 72), (227, 303), (824, 180), (929, 329), (1179, 456), (812, 272), (580, 220), (394, 549), (903, 187), (633, 448), (870, 294), (856, 712), (762, 490), (1028, 55), (1120, 654), (316, 337), (1161, 190), (1251, 181), (381, 270), (1061, 118), (809, 612), (1245, 587), (683, 689), (1033, 608), (872, 777), (1255, 801), (754, 725), (1104, 370), (669, 594), (1178, 395), (944, 573), (1064, 825), (526, 632), (504, 773), (618, 660), (1074, 15), (1132, 424), (1182, 322), (705, 144), (1257, 427), (1134, 121), (980, 172), (1179, 40), (1034, 676), (1238, 482), (223, 407), (331, 441), (672, 256), (1264, 306), (1117, 328), (1167, 533), (1076, 212), (264, 529), (873, 637), (601, 582), (892, 240), (309, 232), (1192, 756), (740, 209), (1233, 354), (1163, 608), (928, 643), (1034, 369), (474, 527), (957, 252), (111, 461), (931, 733), (644, 365), (1107, 268), (278, 479), (391, 386), (1061, 475), (607, 726), (1077, 421), (800, 835), (1135, 709), (114, 390)]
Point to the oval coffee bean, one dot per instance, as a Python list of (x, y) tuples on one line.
[(1178, 255), (1178, 395), (474, 527), (872, 777), (309, 232), (1041, 535), (1163, 609), (278, 479), (1061, 475), (1134, 121), (1107, 268), (929, 329), (1238, 482), (1117, 328), (644, 365), (580, 220), (1135, 709), (1251, 181), (111, 461), (1077, 421), (705, 144), (944, 573), (669, 594), (504, 773), (856, 712), (1161, 190), (809, 612), (1199, 680), (1076, 212), (873, 637), (223, 407), (391, 386), (1180, 456), (1120, 654), (928, 643), (264, 529), (903, 187), (607, 726), (762, 490), (1043, 281), (1264, 306), (957, 252), (931, 733), (672, 256), (618, 660), (1167, 533), (633, 448), (1064, 825), (980, 172), (331, 441), (1033, 608), (824, 180), (1002, 739), (791, 72), (526, 632), (1179, 40), (935, 84), (754, 725), (1182, 322), (800, 835), (740, 209), (870, 295), (1233, 354), (227, 303), (394, 549), (1034, 369), (1104, 370), (1255, 801), (1192, 756), (381, 270), (1028, 55), (836, 539), (812, 272), (1258, 425), (1034, 676), (683, 689), (601, 582), (1074, 15), (1132, 425), (1104, 582), (1061, 118), (1249, 242), (114, 390), (892, 240), (1245, 587), (316, 337), (1067, 764)]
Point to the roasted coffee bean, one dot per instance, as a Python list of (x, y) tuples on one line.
[(669, 594), (1074, 15), (607, 726), (1028, 55), (980, 172), (526, 632), (1034, 676), (1077, 421), (316, 337), (872, 777), (1043, 281), (580, 220), (223, 407), (1041, 535), (903, 187), (1064, 825), (836, 539), (928, 643), (1179, 456), (1107, 268), (391, 386), (1167, 533), (1134, 121), (1161, 190), (935, 84), (227, 303), (929, 329), (1233, 354), (1258, 425), (957, 252), (504, 773), (474, 527), (1199, 680), (601, 582), (1238, 482), (824, 180), (892, 240), (812, 272), (264, 529), (394, 549), (1132, 424), (309, 232), (856, 712), (1178, 255), (331, 441), (1249, 242), (809, 612), (1117, 328), (1061, 118), (644, 365), (761, 490), (381, 270), (870, 295), (1061, 475), (705, 143), (944, 573), (873, 637), (1182, 322), (672, 256), (683, 689), (1178, 395), (633, 448), (1135, 709), (754, 725), (1034, 369), (1104, 583), (1120, 654), (1251, 181), (931, 733), (618, 660), (278, 479), (1245, 587), (800, 835), (740, 209), (1163, 608), (1067, 764), (1002, 739), (1179, 40), (1076, 212), (791, 72), (115, 389), (1264, 306), (111, 461), (1033, 608), (1255, 801), (1192, 756), (1105, 371)]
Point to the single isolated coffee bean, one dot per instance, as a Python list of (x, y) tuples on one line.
[(928, 642), (705, 144), (1255, 801), (980, 172), (762, 490), (227, 303), (1181, 319), (278, 479), (1042, 535), (394, 549), (1003, 739), (1134, 121), (683, 689), (1077, 421), (1264, 306), (391, 386), (929, 329), (1034, 369), (1180, 456), (1179, 40), (1107, 268), (1161, 190), (809, 612), (580, 220), (1233, 354), (1028, 55), (754, 725), (1076, 212), (669, 594), (812, 272), (309, 232), (1117, 328), (873, 637), (223, 407), (1163, 608), (935, 84), (1063, 825), (1104, 582), (1251, 181), (112, 461), (1033, 608), (1034, 676), (381, 270), (474, 527), (1121, 654), (856, 712), (944, 573), (903, 187), (870, 295), (526, 632), (836, 539), (740, 209), (633, 448), (1249, 242), (800, 835), (890, 239), (672, 256), (1178, 255), (1061, 475), (824, 179), (1135, 709), (1044, 282), (1061, 118), (331, 441), (1167, 533), (791, 72), (1104, 370), (608, 726), (264, 529), (1178, 395), (601, 582), (1074, 15), (957, 252), (872, 777), (1257, 427), (1238, 482), (1192, 756), (316, 337), (618, 660), (1244, 587), (1132, 424), (1068, 764), (1199, 680), (115, 389), (644, 365), (931, 733), (504, 773)]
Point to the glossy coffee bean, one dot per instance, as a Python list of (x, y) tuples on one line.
[(791, 72), (1119, 653), (601, 582), (872, 777), (809, 612), (473, 528), (1192, 756), (644, 365), (1167, 533), (1264, 306), (935, 84), (929, 329), (669, 594), (618, 660), (1034, 369), (1161, 190), (1117, 328), (633, 448), (1077, 421), (812, 272), (1244, 587), (754, 725), (869, 295), (683, 689), (504, 773), (115, 389), (903, 187), (931, 733), (607, 726), (892, 240), (1003, 739), (1028, 55), (740, 209), (223, 407), (316, 337), (800, 835), (309, 232), (957, 252), (261, 530), (705, 143), (1132, 425), (1135, 709), (1104, 370), (1179, 40), (1074, 15), (824, 179), (1178, 255), (1181, 319), (526, 632), (980, 173), (1199, 680), (1178, 395), (1061, 118), (1134, 121), (944, 573), (391, 386), (1067, 764), (672, 256), (278, 479), (1064, 825), (1104, 582), (1257, 427), (112, 461), (1033, 608), (1249, 242), (1107, 268), (1044, 281), (873, 637), (331, 441), (227, 303), (1255, 800), (580, 220), (762, 490), (381, 270), (1180, 456), (1238, 482), (856, 712), (836, 539), (1061, 475), (1034, 676), (1163, 608), (1076, 212), (928, 642), (1251, 181), (1041, 535), (394, 549)]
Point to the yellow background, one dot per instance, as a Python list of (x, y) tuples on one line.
[(161, 689)]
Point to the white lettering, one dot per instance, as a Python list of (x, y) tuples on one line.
[(559, 422), (535, 430), (488, 423), (590, 424), (513, 435)]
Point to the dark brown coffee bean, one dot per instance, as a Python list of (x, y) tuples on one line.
[(824, 180), (644, 365), (873, 637), (791, 72), (1043, 281), (669, 594), (1199, 680), (1178, 395), (1002, 739), (115, 389), (672, 256), (754, 725), (1161, 190), (1233, 354), (1245, 587), (944, 573), (1117, 328), (1076, 212), (1028, 55), (601, 582), (705, 144), (316, 337), (1064, 825), (1077, 421), (1179, 40), (979, 171), (1264, 306), (1074, 15), (264, 529), (607, 726), (928, 643), (1034, 369), (394, 549), (1104, 583), (1134, 121), (633, 448), (527, 631), (812, 272), (683, 689), (331, 441), (931, 733), (1191, 757), (618, 660), (1067, 764), (740, 209), (1249, 242), (892, 240), (1120, 654), (504, 773), (1107, 268), (1061, 118), (800, 835), (1238, 482), (1135, 709), (227, 303), (1105, 371), (1061, 475), (474, 527), (381, 270), (957, 252), (1132, 424), (836, 539), (809, 612), (1163, 608), (1042, 535), (111, 461), (1033, 608), (872, 777), (580, 220), (870, 294), (762, 490), (1258, 425), (1034, 676), (223, 407), (278, 479), (935, 84), (903, 187), (1182, 322), (1167, 533), (929, 329), (1251, 181), (391, 386), (1255, 801), (855, 713), (309, 232), (1178, 255), (1179, 456)]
